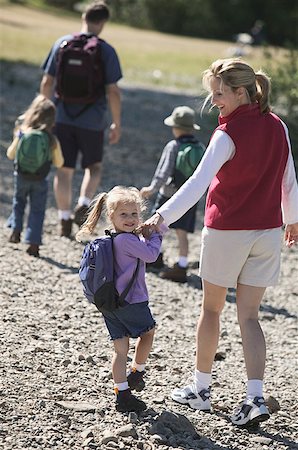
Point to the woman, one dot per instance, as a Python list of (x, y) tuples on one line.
[(253, 191)]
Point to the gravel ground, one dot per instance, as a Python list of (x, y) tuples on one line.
[(56, 385)]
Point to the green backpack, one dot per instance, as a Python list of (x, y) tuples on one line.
[(33, 155), (188, 157)]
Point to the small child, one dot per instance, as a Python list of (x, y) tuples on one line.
[(40, 116), (182, 121), (123, 209)]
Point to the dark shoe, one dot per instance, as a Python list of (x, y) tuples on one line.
[(80, 214), (156, 265), (175, 273), (135, 380), (66, 226), (33, 250), (126, 402), (15, 237)]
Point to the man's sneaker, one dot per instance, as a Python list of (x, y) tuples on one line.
[(250, 412), (175, 273), (15, 237), (135, 380), (189, 396), (66, 226), (156, 265), (126, 402), (80, 214)]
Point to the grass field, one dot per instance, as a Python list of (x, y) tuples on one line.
[(148, 58)]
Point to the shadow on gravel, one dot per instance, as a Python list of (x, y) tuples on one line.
[(64, 267)]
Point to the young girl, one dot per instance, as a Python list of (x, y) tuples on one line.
[(253, 190), (39, 116), (123, 209)]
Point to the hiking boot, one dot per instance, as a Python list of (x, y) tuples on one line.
[(126, 402), (156, 265), (15, 237), (80, 214), (191, 397), (250, 412), (66, 226), (135, 380), (175, 273), (33, 250)]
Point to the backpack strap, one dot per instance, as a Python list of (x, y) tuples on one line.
[(123, 295)]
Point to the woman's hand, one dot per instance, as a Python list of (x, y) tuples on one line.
[(152, 224), (291, 234)]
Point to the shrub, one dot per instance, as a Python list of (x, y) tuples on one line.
[(284, 96)]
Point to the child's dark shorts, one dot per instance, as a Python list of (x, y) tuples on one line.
[(130, 320), (74, 140), (186, 222)]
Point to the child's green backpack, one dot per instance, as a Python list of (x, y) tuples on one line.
[(33, 155), (188, 157)]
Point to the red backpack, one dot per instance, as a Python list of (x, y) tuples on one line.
[(80, 71)]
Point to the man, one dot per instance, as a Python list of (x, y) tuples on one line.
[(80, 128)]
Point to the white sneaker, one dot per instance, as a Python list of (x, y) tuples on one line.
[(250, 412), (189, 396)]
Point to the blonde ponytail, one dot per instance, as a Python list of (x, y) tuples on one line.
[(263, 91), (93, 216)]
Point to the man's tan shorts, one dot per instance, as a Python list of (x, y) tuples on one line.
[(250, 257)]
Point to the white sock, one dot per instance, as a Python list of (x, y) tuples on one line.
[(202, 380), (121, 386), (64, 214), (254, 389), (183, 261), (84, 201), (139, 367)]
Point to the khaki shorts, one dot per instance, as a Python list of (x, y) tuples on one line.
[(250, 257)]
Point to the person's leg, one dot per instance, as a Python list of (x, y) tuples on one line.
[(91, 180), (248, 302), (21, 190), (143, 347), (121, 347), (182, 242), (197, 395), (137, 370), (253, 410), (63, 188), (178, 272), (182, 226), (63, 196), (208, 325), (91, 146), (125, 401), (38, 200)]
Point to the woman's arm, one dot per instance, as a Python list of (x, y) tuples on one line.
[(220, 150)]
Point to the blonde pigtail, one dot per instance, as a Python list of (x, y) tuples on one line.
[(93, 216)]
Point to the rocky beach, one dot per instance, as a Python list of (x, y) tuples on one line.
[(56, 389)]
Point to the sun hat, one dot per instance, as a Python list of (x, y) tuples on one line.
[(182, 117)]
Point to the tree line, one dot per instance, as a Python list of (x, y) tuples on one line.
[(209, 19)]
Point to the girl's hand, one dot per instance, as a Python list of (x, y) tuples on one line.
[(291, 234), (152, 224)]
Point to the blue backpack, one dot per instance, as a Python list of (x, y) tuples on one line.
[(97, 274)]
